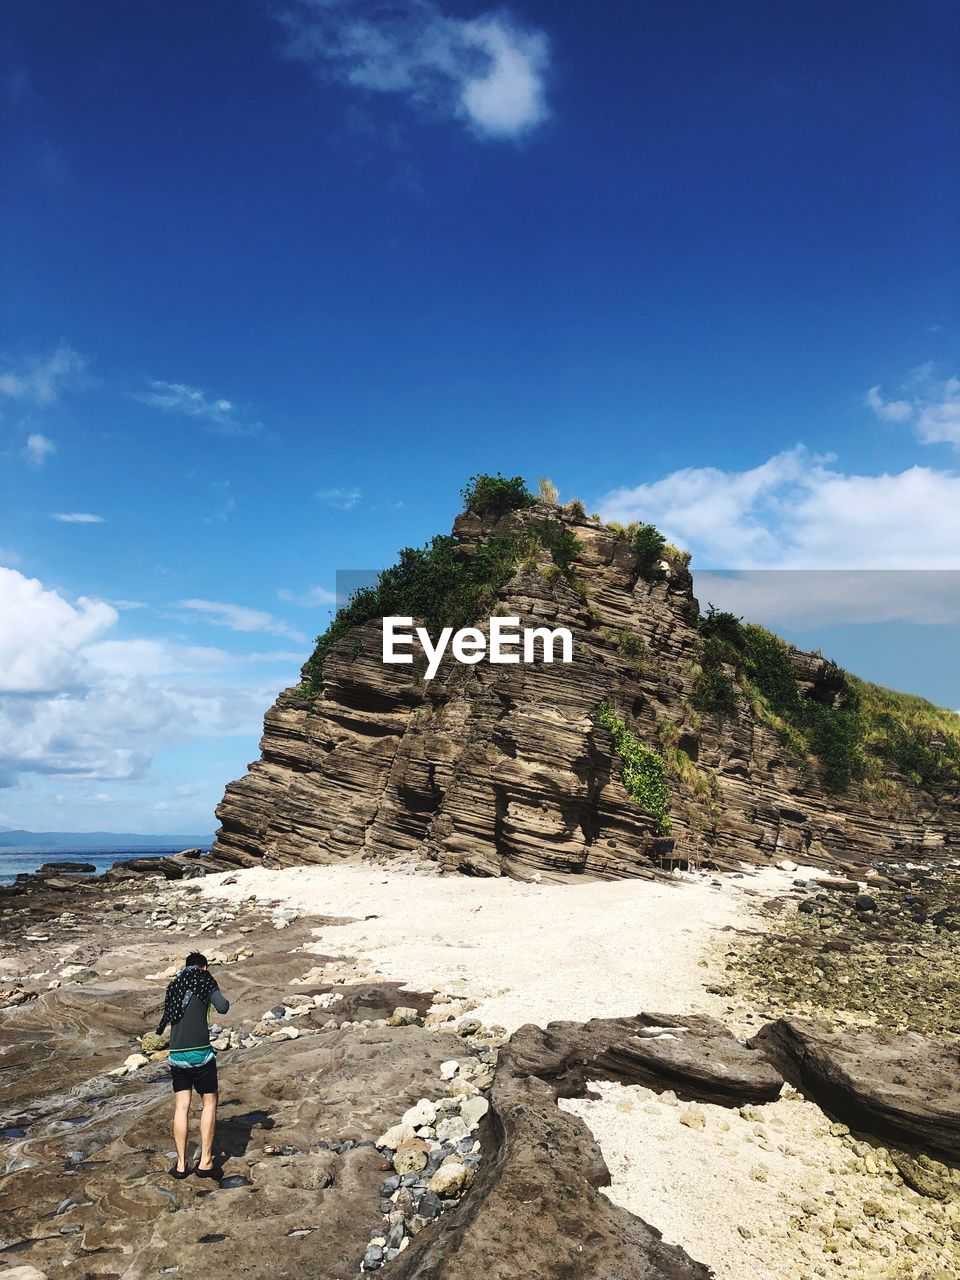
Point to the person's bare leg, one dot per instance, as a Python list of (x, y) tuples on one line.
[(208, 1125), (181, 1122)]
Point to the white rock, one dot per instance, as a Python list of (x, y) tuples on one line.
[(473, 1110), (787, 865), (135, 1061), (423, 1112), (449, 1069), (395, 1136), (451, 1129)]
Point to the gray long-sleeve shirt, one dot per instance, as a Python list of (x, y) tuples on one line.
[(192, 1031)]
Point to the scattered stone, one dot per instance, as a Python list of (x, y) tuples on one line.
[(403, 1016), (472, 1112), (373, 1257), (693, 1118), (411, 1157), (422, 1113), (451, 1128), (451, 1179)]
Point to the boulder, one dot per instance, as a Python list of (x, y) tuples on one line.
[(395, 1136), (403, 1016), (898, 1085)]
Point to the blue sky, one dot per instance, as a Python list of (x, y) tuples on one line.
[(277, 278)]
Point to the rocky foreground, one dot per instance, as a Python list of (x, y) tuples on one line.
[(368, 1126)]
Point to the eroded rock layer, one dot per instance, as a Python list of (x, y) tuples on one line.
[(505, 770)]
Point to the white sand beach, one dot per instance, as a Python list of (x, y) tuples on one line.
[(520, 951)]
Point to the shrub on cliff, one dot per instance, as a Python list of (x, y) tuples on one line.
[(644, 770), (649, 544), (495, 495)]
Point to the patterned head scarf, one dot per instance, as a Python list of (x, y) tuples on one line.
[(191, 982)]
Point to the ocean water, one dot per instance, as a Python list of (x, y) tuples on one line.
[(14, 860)]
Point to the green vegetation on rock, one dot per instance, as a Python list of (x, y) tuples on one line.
[(495, 495), (649, 544), (644, 770), (921, 741), (441, 584), (857, 732)]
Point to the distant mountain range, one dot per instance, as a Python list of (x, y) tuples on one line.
[(97, 840)]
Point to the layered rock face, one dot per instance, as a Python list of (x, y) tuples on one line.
[(505, 770)]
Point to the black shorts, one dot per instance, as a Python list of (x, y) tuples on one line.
[(203, 1079)]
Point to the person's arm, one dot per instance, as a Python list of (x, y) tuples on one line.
[(219, 1000)]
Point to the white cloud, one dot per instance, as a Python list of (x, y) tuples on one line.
[(38, 448), (343, 499), (76, 701), (40, 380), (312, 598), (929, 404), (797, 511), (142, 657), (76, 517), (218, 413), (239, 618), (889, 410), (812, 598), (489, 71), (809, 545), (41, 634)]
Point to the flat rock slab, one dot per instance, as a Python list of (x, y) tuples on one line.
[(898, 1085), (536, 1209), (695, 1056)]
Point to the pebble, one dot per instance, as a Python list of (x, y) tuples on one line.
[(451, 1128), (451, 1179), (473, 1110), (423, 1112), (693, 1118)]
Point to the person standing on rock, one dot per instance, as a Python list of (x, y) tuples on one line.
[(193, 1060)]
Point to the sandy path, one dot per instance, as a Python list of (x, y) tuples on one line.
[(524, 952)]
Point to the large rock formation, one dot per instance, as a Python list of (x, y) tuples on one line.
[(898, 1085), (505, 770)]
